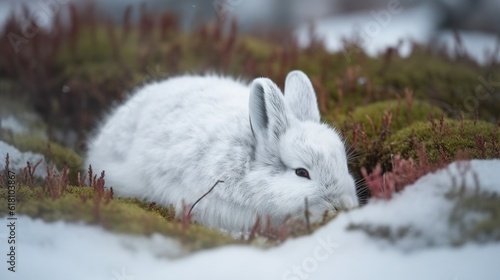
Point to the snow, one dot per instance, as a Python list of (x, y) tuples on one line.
[(76, 251), (18, 159), (406, 25), (379, 29), (13, 124), (476, 44), (40, 12)]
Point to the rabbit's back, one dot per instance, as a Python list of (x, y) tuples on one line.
[(182, 132)]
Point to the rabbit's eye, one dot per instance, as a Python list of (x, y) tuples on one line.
[(301, 172)]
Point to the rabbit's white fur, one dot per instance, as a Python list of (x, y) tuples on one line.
[(172, 140)]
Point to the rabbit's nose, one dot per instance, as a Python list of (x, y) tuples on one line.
[(343, 202), (348, 197)]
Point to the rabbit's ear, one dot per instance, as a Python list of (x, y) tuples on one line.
[(267, 107), (300, 96)]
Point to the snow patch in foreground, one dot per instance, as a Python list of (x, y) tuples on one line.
[(73, 251)]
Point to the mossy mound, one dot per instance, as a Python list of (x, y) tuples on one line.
[(368, 127), (446, 139), (115, 214), (402, 114)]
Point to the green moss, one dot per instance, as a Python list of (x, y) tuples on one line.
[(402, 115), (260, 48), (92, 44), (119, 215), (449, 138), (375, 123)]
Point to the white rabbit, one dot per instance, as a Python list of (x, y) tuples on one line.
[(172, 140)]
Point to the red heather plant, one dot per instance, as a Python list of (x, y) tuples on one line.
[(381, 185), (28, 173), (102, 195), (269, 232), (404, 172), (394, 175), (287, 228), (5, 174), (186, 215), (56, 182)]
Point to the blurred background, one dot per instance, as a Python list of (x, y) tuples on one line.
[(424, 21), (65, 63)]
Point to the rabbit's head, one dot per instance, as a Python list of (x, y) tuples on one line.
[(297, 156)]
